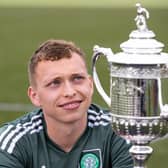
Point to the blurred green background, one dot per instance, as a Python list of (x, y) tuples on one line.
[(24, 24)]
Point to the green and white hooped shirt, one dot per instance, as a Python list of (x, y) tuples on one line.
[(24, 143)]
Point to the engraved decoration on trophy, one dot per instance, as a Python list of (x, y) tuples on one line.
[(136, 75)]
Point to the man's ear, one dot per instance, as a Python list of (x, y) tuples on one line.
[(33, 95)]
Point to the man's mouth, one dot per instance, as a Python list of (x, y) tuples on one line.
[(71, 105)]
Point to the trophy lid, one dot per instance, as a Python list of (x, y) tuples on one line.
[(141, 47)]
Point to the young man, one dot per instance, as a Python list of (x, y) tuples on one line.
[(66, 131)]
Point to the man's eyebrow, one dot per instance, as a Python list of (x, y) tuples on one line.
[(80, 73), (52, 79)]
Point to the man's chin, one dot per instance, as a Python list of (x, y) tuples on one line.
[(73, 118)]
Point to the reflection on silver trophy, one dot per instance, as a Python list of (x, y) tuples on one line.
[(136, 76)]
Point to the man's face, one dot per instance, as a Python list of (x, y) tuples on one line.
[(63, 89)]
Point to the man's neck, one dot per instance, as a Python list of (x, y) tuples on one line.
[(65, 135)]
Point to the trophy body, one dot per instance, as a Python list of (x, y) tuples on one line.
[(135, 100)]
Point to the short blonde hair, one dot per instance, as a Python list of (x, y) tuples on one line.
[(52, 50)]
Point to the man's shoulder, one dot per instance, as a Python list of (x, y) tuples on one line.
[(12, 132), (98, 116), (24, 119)]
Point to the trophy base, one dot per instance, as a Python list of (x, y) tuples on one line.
[(140, 155), (140, 131)]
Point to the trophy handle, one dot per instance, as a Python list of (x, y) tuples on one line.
[(99, 51)]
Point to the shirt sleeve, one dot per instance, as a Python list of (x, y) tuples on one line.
[(9, 160), (14, 159), (121, 158)]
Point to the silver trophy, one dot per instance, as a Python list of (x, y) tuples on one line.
[(136, 76)]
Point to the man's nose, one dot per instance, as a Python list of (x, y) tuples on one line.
[(69, 90)]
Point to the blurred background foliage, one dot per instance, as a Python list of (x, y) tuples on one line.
[(25, 24)]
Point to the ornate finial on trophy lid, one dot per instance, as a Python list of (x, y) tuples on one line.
[(142, 15), (141, 23), (142, 41)]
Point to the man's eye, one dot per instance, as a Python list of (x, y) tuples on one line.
[(54, 83), (79, 78)]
